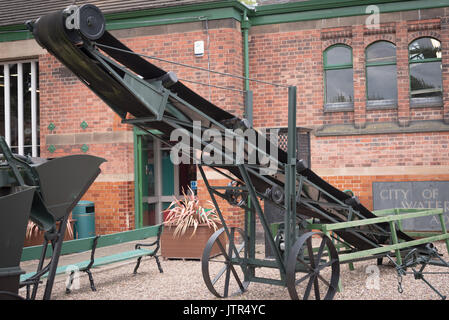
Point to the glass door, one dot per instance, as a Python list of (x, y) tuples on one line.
[(158, 180)]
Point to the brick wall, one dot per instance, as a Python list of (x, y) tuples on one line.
[(66, 102), (296, 58), (292, 54), (411, 149)]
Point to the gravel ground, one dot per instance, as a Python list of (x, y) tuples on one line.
[(182, 279)]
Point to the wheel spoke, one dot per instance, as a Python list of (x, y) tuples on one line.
[(320, 251), (231, 267), (226, 285), (324, 280), (218, 276), (237, 278), (303, 278), (239, 249), (310, 252), (312, 263), (223, 280), (327, 264), (222, 249), (308, 288), (316, 287), (299, 259), (218, 261)]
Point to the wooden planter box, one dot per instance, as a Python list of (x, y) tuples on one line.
[(185, 246)]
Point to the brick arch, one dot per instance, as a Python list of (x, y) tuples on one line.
[(331, 42), (412, 36), (380, 37)]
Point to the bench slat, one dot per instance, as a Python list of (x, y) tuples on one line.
[(81, 245), (98, 242), (59, 270), (118, 257), (122, 256)]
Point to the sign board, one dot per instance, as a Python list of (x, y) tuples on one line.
[(193, 185), (414, 194)]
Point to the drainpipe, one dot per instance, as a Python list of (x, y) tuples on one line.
[(248, 114)]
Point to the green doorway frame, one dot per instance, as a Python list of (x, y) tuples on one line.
[(138, 170), (166, 178)]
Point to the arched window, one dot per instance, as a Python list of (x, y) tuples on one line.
[(425, 72), (381, 80), (338, 77)]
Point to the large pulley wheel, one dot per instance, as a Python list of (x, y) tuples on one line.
[(308, 269), (222, 274), (91, 21), (87, 21)]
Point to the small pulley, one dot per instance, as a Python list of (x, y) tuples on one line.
[(277, 194), (236, 196), (87, 19)]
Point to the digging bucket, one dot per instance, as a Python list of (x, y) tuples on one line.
[(63, 181), (15, 205)]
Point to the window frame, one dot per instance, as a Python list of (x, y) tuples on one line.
[(34, 103), (337, 106), (424, 102), (384, 103)]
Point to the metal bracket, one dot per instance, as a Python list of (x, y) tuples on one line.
[(414, 258)]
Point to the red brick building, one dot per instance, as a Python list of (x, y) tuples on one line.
[(372, 79)]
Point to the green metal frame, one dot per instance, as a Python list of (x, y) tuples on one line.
[(138, 172), (398, 211), (396, 246), (249, 261), (347, 255)]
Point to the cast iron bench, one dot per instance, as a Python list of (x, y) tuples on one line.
[(92, 243)]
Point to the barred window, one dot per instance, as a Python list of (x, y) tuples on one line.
[(19, 106)]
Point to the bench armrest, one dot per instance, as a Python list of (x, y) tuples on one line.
[(155, 243), (92, 253), (138, 245)]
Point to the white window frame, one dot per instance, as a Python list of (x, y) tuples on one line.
[(7, 78)]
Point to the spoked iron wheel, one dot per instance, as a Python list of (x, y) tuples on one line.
[(223, 277), (307, 270)]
